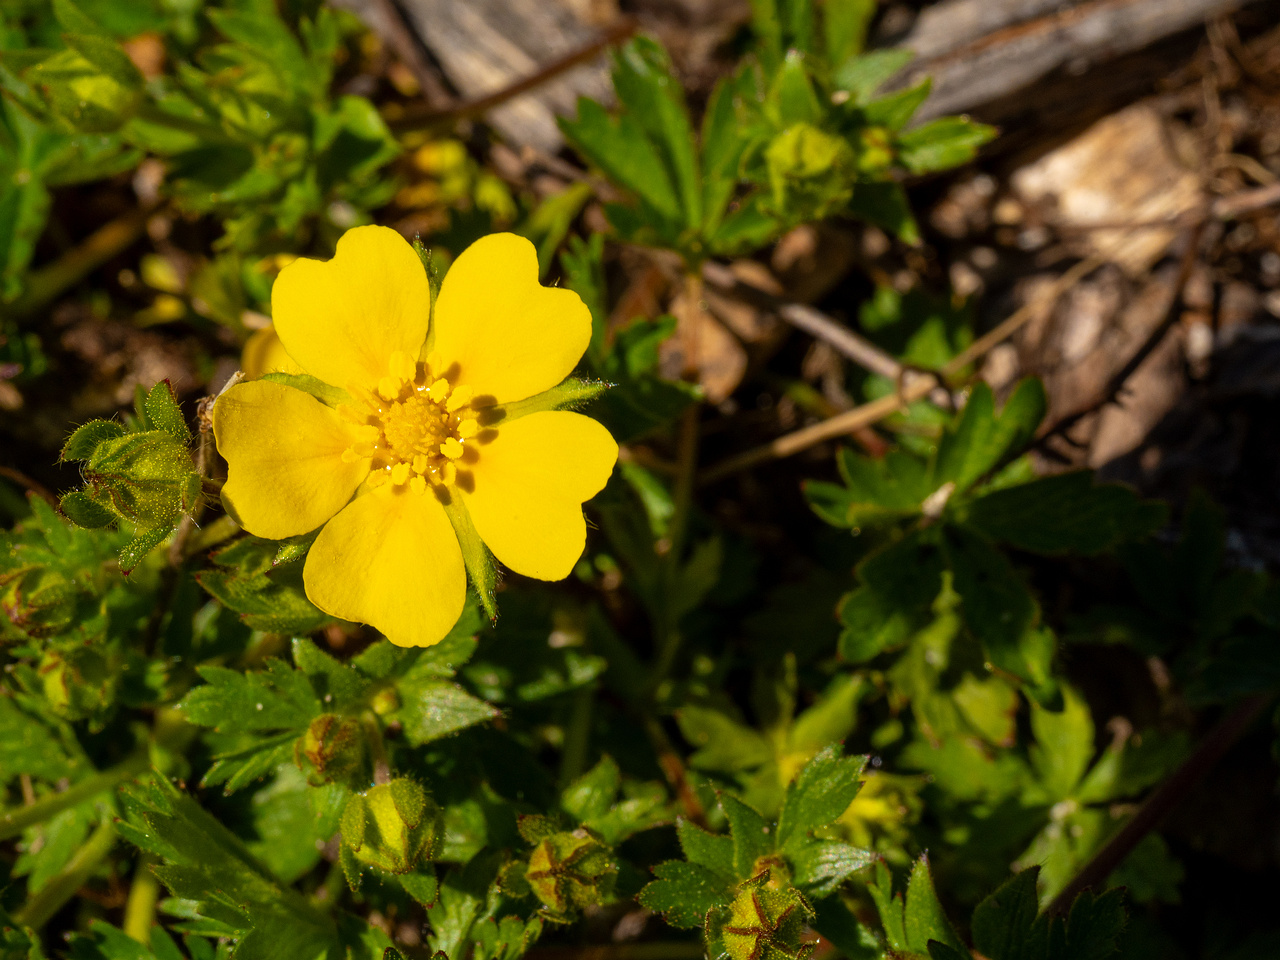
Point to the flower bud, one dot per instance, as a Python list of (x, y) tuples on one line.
[(334, 747), (766, 920), (571, 870), (392, 826)]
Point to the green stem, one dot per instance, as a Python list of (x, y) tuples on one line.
[(13, 822), (50, 898), (140, 909)]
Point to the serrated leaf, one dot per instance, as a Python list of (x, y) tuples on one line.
[(820, 866), (924, 917), (431, 709), (713, 851), (980, 439), (752, 835), (277, 698), (1066, 513), (996, 604), (820, 793), (335, 683), (1005, 925), (684, 893)]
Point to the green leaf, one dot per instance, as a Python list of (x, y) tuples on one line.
[(752, 835), (685, 893), (995, 603), (896, 109), (274, 699), (431, 709), (924, 918), (621, 149), (1092, 929), (84, 441), (980, 440), (863, 75), (713, 851), (1064, 744), (821, 866), (820, 793), (1005, 926), (1065, 513), (724, 745), (336, 684), (654, 99), (942, 144)]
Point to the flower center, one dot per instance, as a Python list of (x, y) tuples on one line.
[(414, 427)]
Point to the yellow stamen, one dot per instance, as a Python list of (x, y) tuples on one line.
[(460, 398), (468, 428), (448, 473), (439, 390), (349, 455), (417, 485), (400, 473), (420, 463), (377, 479), (389, 387), (451, 448)]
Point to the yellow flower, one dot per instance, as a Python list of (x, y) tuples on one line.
[(424, 426)]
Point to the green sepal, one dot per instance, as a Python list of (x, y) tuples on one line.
[(164, 413), (84, 441), (569, 395), (84, 511), (475, 555), (422, 885), (136, 549), (327, 394)]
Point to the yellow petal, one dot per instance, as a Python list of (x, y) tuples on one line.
[(285, 470), (528, 486), (390, 559), (264, 353), (509, 336), (342, 319)]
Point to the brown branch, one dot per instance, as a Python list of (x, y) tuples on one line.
[(848, 343), (1162, 801), (412, 119), (908, 393)]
